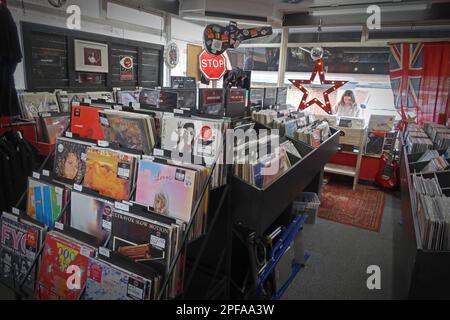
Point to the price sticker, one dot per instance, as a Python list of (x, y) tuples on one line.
[(106, 225), (69, 134), (87, 100), (178, 111), (10, 216), (78, 187), (85, 252), (104, 251), (15, 211), (36, 175), (122, 206), (46, 173), (59, 226), (158, 242), (103, 143), (158, 152)]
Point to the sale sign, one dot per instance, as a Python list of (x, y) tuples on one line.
[(212, 66), (126, 68)]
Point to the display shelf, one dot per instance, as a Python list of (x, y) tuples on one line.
[(418, 273), (257, 209), (340, 169)]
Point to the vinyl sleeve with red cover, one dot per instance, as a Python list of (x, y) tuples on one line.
[(85, 122)]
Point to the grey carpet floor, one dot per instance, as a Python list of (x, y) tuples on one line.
[(340, 255)]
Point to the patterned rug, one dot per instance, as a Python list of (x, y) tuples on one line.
[(362, 208)]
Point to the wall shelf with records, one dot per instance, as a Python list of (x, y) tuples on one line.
[(421, 251)]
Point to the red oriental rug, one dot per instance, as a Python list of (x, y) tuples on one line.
[(362, 208)]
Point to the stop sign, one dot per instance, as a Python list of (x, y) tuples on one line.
[(213, 67)]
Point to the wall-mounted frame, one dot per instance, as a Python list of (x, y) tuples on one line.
[(50, 62), (91, 56)]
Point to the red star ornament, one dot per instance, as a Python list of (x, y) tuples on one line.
[(318, 69)]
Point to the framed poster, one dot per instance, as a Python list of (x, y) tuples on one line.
[(126, 68), (91, 56)]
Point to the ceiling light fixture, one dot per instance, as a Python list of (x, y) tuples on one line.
[(347, 10), (224, 20)]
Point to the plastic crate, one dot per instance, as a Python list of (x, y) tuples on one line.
[(307, 203)]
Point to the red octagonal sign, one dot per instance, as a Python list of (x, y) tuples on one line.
[(212, 66)]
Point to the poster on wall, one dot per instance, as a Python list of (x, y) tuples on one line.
[(91, 56), (126, 68)]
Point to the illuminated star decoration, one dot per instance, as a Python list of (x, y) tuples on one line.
[(318, 69)]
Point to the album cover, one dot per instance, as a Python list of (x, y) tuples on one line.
[(270, 168), (130, 130), (54, 125), (110, 172), (290, 127), (187, 98), (211, 101), (197, 137), (168, 99), (127, 97), (106, 281), (256, 96), (101, 95), (34, 103), (70, 159), (60, 252), (183, 82), (282, 95), (92, 215), (149, 97), (235, 103), (380, 122), (374, 143), (63, 101), (19, 246), (142, 240), (85, 122), (169, 190), (270, 97), (45, 201)]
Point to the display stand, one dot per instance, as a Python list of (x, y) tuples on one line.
[(418, 273)]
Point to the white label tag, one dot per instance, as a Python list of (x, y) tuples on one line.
[(59, 226), (158, 152), (10, 216), (104, 251), (83, 156), (136, 105), (158, 242), (178, 111), (46, 114), (106, 225), (87, 100), (46, 173), (69, 134), (36, 175), (147, 157), (123, 172), (85, 252), (122, 206), (78, 187), (103, 143), (58, 190), (118, 107), (15, 211)]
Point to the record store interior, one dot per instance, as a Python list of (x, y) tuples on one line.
[(224, 150)]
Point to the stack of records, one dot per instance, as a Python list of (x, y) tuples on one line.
[(128, 129), (442, 140), (309, 136), (53, 125), (45, 201), (85, 121), (60, 253), (424, 186), (149, 239), (418, 145), (172, 189), (434, 220), (20, 242), (435, 164), (63, 100), (34, 103), (428, 155), (70, 160), (265, 117), (432, 128), (110, 172), (113, 277)]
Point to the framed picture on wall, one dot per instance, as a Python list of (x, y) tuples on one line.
[(91, 56)]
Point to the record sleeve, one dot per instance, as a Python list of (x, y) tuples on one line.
[(374, 144), (19, 245), (127, 97), (70, 159), (211, 101), (202, 138), (54, 125), (45, 201), (110, 172), (34, 103), (169, 190), (130, 130), (90, 214), (142, 240), (61, 252), (187, 98), (105, 281), (85, 122)]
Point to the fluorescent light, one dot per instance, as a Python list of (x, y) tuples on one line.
[(224, 20), (335, 11)]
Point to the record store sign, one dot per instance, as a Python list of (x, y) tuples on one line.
[(126, 68), (212, 66)]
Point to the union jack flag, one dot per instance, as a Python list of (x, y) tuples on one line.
[(405, 70)]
